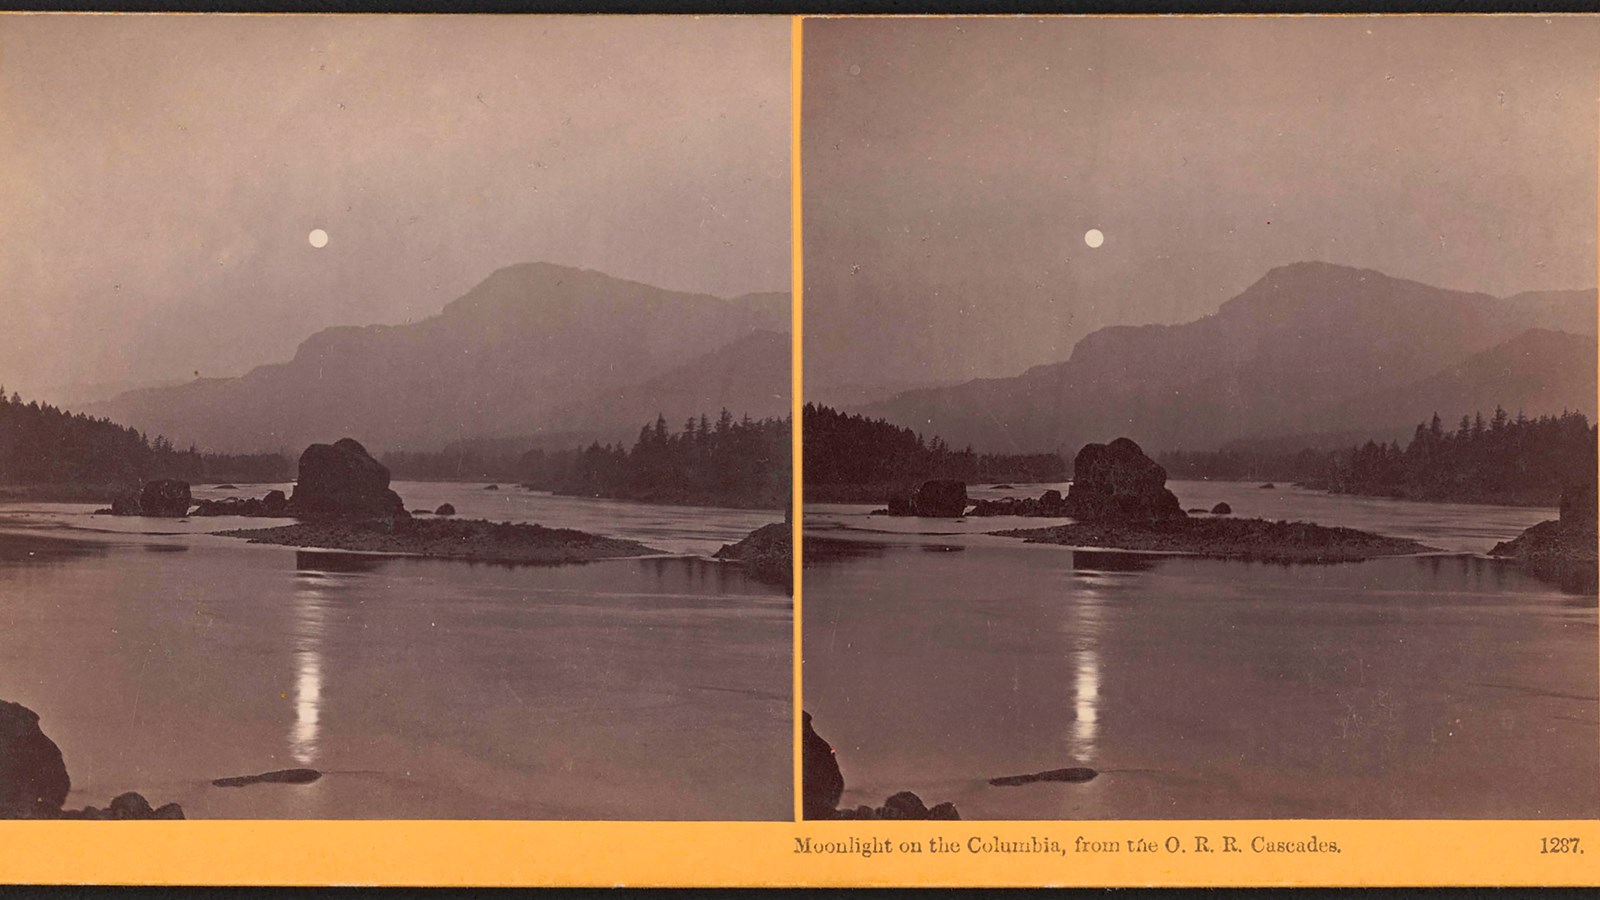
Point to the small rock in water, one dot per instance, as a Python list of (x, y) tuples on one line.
[(1073, 775), (281, 776), (445, 509), (492, 487), (1222, 509)]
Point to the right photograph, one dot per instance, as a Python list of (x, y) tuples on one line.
[(1199, 418)]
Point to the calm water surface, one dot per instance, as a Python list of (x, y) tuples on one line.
[(160, 657), (1446, 686)]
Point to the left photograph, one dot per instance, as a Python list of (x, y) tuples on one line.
[(395, 419)]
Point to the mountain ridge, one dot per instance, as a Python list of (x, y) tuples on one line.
[(526, 341), (1270, 360)]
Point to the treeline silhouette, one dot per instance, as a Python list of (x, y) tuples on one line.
[(727, 462), (42, 444), (742, 463), (1502, 459), (847, 451)]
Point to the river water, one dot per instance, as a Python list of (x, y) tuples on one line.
[(160, 657), (1443, 686)]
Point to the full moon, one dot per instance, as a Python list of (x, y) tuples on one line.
[(319, 238), (1092, 237)]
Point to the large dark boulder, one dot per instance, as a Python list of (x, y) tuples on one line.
[(940, 499), (165, 497), (1579, 512), (342, 481), (275, 504), (33, 777), (767, 554), (1118, 481), (1562, 550), (821, 782)]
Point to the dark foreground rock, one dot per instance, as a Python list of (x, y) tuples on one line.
[(123, 808), (342, 481), (33, 777), (1216, 538), (822, 784), (280, 776), (1118, 481), (766, 553), (467, 539), (821, 781), (34, 781), (905, 806), (1562, 551)]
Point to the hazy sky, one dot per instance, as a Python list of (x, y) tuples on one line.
[(953, 167), (160, 175)]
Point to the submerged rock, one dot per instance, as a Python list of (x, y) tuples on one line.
[(1071, 775), (1118, 481), (33, 777), (342, 481), (279, 776)]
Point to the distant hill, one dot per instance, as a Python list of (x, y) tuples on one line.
[(749, 376), (1537, 372), (1280, 358), (856, 394), (529, 343)]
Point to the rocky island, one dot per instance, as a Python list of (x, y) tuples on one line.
[(767, 554), (343, 501), (1565, 550), (1120, 501)]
